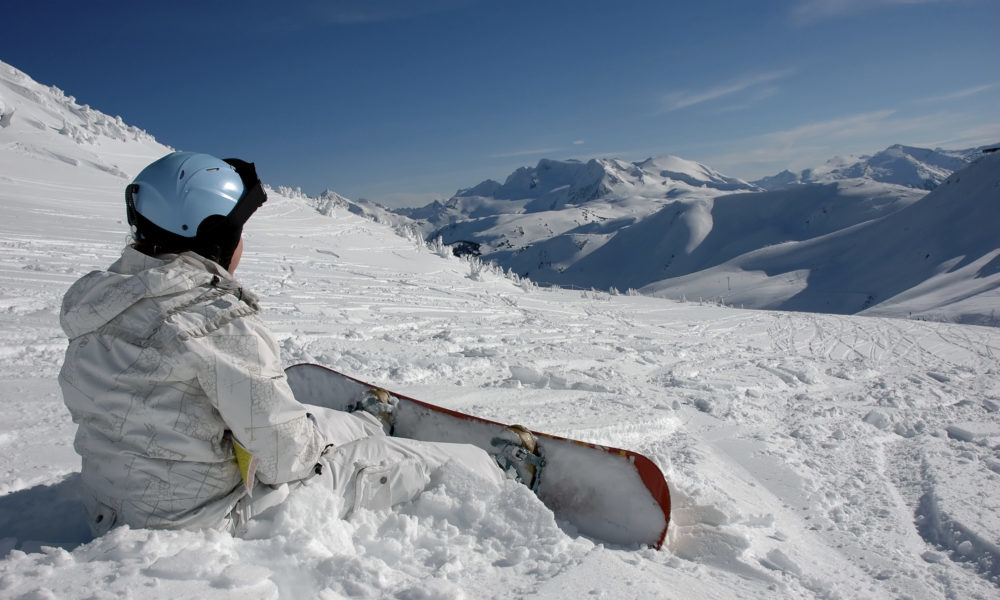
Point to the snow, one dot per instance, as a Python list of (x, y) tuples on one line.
[(690, 172), (920, 168), (679, 229), (544, 220), (933, 258), (808, 455)]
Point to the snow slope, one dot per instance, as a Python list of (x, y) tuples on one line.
[(684, 238), (809, 455), (936, 258)]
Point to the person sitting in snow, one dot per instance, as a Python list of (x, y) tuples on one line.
[(171, 375)]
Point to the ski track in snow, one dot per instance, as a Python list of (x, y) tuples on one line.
[(808, 455)]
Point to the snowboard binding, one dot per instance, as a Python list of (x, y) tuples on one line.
[(380, 404), (519, 456)]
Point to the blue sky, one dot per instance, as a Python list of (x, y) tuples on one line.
[(406, 101)]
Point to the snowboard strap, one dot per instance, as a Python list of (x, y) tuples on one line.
[(381, 404), (511, 454)]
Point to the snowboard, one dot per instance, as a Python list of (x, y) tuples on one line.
[(608, 494)]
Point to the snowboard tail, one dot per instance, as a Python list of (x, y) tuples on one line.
[(613, 495)]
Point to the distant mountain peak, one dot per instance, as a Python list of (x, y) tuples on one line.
[(693, 173), (909, 166), (486, 188), (552, 184)]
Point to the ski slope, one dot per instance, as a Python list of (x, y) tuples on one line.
[(809, 455)]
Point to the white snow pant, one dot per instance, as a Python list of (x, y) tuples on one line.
[(373, 471)]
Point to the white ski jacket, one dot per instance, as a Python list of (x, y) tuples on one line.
[(168, 364)]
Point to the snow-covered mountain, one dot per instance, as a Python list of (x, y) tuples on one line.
[(542, 220), (935, 258), (43, 128), (808, 456), (684, 238), (670, 226), (919, 168), (553, 186)]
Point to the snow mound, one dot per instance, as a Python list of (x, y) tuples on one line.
[(297, 551)]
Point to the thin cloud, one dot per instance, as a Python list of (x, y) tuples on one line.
[(373, 11), (686, 98), (849, 126), (958, 95), (529, 152), (298, 15), (807, 12), (813, 143), (982, 135), (756, 97)]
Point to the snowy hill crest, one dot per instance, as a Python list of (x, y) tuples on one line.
[(39, 122)]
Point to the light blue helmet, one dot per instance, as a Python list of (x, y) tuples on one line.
[(179, 191), (188, 201)]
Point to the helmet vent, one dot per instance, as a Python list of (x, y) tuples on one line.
[(182, 174)]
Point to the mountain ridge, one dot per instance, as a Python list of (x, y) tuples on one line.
[(910, 166), (655, 224), (879, 266)]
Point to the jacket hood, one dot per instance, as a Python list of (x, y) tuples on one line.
[(100, 296)]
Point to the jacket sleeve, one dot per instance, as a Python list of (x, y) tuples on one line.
[(240, 371)]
